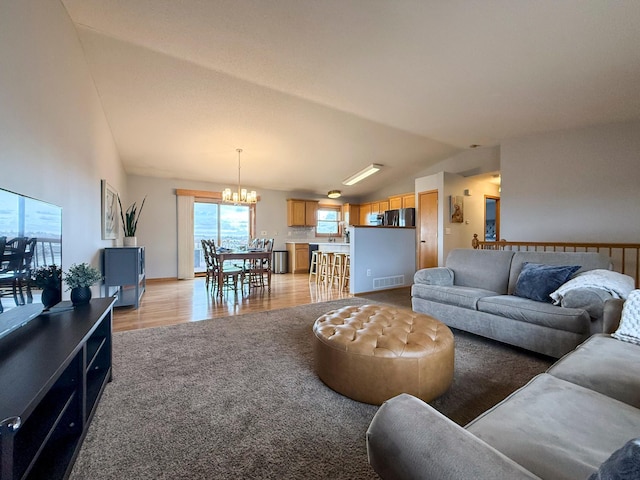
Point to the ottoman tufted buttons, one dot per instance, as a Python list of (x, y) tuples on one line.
[(373, 352)]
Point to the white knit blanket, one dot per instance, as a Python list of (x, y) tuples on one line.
[(617, 284)]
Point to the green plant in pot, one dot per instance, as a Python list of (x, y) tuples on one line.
[(79, 278), (49, 279), (130, 221)]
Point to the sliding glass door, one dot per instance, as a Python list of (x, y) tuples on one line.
[(228, 225)]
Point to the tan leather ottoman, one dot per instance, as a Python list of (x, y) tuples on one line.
[(374, 352)]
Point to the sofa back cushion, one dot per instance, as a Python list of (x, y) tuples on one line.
[(586, 260), (486, 269)]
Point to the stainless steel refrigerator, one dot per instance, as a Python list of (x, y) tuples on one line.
[(401, 217)]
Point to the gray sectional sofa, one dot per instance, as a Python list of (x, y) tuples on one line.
[(474, 292), (562, 425)]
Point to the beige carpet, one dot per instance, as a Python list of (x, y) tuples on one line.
[(237, 397)]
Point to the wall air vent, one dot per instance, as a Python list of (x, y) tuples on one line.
[(386, 282)]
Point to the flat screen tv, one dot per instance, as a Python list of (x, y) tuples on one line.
[(30, 238)]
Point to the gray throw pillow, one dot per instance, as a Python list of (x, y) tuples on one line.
[(537, 281), (623, 464)]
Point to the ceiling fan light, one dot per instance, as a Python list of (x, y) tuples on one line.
[(334, 194)]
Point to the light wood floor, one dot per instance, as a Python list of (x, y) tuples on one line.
[(167, 302), (170, 302)]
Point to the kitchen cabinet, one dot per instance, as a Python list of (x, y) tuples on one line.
[(301, 213), (351, 214), (298, 257), (384, 206), (365, 211), (395, 202), (409, 200), (405, 200)]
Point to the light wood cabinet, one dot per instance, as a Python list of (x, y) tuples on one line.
[(298, 257), (365, 211), (395, 202), (406, 200), (409, 200), (383, 206), (301, 213), (351, 214)]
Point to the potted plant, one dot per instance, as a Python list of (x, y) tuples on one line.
[(49, 280), (79, 278), (130, 222)]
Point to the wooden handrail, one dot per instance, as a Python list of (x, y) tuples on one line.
[(625, 257)]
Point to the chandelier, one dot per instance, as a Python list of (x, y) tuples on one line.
[(241, 196)]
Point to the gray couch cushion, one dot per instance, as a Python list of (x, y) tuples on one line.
[(486, 269), (587, 261), (545, 314), (465, 297), (548, 428), (606, 365)]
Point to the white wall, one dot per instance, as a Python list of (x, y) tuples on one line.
[(385, 252), (577, 185), (457, 235), (55, 143), (157, 228)]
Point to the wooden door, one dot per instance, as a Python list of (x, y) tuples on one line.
[(428, 228)]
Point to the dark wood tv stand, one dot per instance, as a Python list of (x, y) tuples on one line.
[(52, 373)]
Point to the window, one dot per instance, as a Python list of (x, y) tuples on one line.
[(328, 223), (228, 225)]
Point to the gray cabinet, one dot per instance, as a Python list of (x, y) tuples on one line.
[(124, 269)]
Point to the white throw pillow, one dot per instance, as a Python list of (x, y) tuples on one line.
[(629, 329)]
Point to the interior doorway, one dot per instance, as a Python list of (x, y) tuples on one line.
[(491, 218), (428, 229)]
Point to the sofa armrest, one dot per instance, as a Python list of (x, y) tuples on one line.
[(590, 299), (612, 315), (408, 439), (599, 304), (434, 276)]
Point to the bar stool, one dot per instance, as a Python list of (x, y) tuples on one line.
[(337, 268), (346, 272), (324, 267), (313, 267)]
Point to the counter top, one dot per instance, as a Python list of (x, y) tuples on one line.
[(328, 243)]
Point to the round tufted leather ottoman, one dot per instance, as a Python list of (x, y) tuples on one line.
[(374, 352)]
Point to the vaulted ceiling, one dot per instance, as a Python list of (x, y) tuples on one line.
[(314, 90)]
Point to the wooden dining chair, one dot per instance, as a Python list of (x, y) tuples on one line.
[(232, 275), (211, 272)]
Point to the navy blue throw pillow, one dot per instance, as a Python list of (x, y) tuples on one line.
[(623, 464), (538, 281)]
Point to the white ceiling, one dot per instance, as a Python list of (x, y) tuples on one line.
[(314, 90)]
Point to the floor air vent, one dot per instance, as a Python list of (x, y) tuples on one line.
[(386, 282)]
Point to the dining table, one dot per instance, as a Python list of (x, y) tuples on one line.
[(264, 256)]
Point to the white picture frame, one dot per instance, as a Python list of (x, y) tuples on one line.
[(109, 211)]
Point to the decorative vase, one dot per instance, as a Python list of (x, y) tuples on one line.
[(50, 296), (130, 241), (80, 295)]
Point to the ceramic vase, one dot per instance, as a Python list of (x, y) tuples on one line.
[(80, 295), (130, 241), (50, 297)]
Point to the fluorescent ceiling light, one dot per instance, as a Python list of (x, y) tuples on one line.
[(362, 174)]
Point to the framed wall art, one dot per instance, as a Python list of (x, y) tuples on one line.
[(456, 209), (109, 211)]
